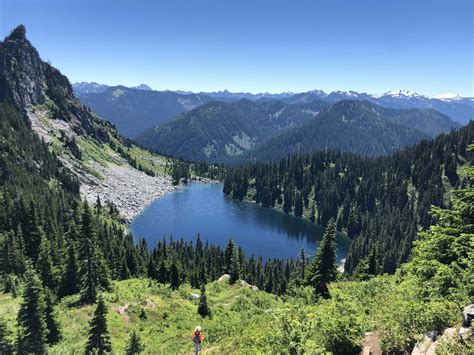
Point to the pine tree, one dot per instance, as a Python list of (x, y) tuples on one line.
[(54, 332), (31, 318), (372, 264), (298, 204), (94, 272), (70, 277), (98, 341), (228, 253), (162, 271), (44, 265), (134, 344), (203, 309), (322, 269), (175, 274), (234, 267)]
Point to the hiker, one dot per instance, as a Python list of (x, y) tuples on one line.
[(197, 339)]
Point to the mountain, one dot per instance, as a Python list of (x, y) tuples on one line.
[(458, 108), (220, 131), (87, 88), (348, 125), (231, 132), (105, 164), (143, 87), (133, 110)]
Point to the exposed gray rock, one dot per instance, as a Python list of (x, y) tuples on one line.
[(468, 315)]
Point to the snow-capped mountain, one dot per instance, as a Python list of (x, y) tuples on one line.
[(449, 97)]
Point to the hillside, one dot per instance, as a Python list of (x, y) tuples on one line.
[(235, 132), (73, 280), (107, 165), (133, 110), (460, 109), (357, 127), (222, 132), (379, 202)]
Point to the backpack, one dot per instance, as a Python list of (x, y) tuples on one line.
[(197, 338)]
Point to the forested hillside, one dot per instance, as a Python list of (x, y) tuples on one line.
[(244, 130), (133, 110), (74, 281), (380, 203), (357, 127)]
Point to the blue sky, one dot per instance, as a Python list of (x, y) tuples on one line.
[(368, 46)]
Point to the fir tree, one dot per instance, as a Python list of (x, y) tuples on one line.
[(234, 267), (134, 344), (228, 254), (70, 277), (44, 265), (31, 319), (54, 332), (322, 269), (203, 309), (175, 274), (298, 204), (98, 341)]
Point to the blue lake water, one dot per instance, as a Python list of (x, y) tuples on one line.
[(204, 209)]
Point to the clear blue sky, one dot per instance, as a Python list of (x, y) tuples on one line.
[(370, 46)]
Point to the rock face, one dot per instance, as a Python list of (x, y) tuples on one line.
[(47, 102), (21, 71), (468, 315), (26, 81)]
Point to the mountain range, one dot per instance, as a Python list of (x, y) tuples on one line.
[(135, 111), (236, 131)]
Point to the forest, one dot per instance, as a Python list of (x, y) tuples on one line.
[(58, 252), (381, 203)]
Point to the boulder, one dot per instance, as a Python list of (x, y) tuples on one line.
[(224, 277), (194, 296), (465, 333), (468, 315), (422, 347)]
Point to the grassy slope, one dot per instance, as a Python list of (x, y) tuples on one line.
[(252, 321)]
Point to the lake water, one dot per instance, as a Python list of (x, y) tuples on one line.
[(204, 209)]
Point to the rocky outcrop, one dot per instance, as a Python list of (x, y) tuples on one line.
[(26, 81), (47, 101), (21, 71)]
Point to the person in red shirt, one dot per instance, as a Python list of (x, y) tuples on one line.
[(197, 339)]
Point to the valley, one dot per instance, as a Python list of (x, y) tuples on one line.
[(291, 223)]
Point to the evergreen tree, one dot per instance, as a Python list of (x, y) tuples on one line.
[(44, 265), (54, 333), (175, 274), (323, 269), (31, 319), (372, 264), (234, 267), (98, 341), (203, 309), (228, 254), (134, 344), (298, 204), (70, 277), (94, 272)]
